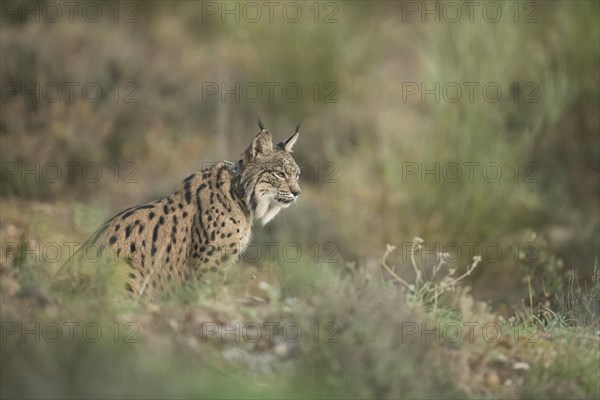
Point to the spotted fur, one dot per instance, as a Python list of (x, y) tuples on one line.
[(206, 223)]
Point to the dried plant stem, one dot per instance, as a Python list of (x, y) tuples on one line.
[(416, 246), (427, 289), (383, 262)]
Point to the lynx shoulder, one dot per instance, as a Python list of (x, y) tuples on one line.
[(195, 232)]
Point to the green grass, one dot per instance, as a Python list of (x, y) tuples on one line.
[(362, 335)]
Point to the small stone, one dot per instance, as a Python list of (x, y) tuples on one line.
[(280, 350), (521, 366)]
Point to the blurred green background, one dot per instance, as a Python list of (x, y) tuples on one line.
[(387, 94), (395, 98)]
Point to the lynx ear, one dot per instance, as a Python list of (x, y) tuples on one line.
[(287, 145), (261, 144)]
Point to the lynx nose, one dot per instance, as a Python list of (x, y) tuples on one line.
[(295, 191)]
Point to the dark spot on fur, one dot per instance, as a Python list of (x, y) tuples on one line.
[(151, 215), (188, 192), (155, 234), (112, 240), (127, 214)]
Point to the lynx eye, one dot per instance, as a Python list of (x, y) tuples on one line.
[(296, 177), (279, 175)]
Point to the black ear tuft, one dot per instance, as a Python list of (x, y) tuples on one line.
[(260, 125), (287, 145)]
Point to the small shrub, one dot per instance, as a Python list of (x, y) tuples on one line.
[(581, 306), (429, 286)]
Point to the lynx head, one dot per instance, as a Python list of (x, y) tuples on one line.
[(269, 175)]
